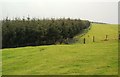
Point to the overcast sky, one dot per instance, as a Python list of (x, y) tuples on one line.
[(94, 10)]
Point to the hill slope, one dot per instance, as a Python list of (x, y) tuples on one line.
[(99, 31), (98, 58)]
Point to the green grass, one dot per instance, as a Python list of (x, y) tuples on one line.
[(99, 31), (98, 58)]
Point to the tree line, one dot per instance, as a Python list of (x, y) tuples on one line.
[(33, 32)]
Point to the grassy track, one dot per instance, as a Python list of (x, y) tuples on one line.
[(98, 58)]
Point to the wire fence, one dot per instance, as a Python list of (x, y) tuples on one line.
[(93, 39)]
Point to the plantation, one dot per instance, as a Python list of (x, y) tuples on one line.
[(92, 58), (34, 32)]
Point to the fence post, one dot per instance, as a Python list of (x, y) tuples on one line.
[(93, 38), (119, 37), (84, 40), (106, 37)]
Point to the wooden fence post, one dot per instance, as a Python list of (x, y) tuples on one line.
[(84, 40), (119, 37), (93, 38), (106, 38)]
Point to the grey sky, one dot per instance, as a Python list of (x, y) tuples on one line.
[(100, 11)]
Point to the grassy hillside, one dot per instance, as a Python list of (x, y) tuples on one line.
[(98, 58), (99, 31)]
